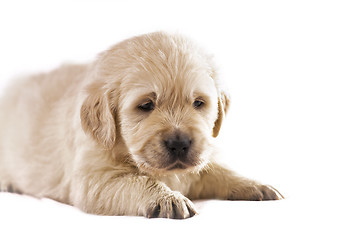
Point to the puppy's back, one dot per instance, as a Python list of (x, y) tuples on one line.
[(36, 111)]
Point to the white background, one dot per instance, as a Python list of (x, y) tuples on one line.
[(293, 71)]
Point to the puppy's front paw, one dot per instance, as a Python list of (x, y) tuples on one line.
[(255, 192), (173, 205)]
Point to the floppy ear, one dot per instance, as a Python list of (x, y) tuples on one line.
[(223, 106), (97, 115)]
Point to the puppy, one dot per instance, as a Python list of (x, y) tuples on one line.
[(130, 134)]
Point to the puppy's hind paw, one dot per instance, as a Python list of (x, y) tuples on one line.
[(8, 188), (174, 206)]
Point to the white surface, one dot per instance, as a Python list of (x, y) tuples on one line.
[(293, 71), (28, 218)]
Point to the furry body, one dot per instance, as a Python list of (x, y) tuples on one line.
[(95, 136)]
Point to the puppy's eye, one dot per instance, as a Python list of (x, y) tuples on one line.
[(198, 104), (147, 106)]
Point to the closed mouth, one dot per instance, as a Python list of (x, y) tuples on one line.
[(177, 165)]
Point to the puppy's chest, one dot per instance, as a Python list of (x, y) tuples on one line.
[(180, 183)]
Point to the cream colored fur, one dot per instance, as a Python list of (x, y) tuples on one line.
[(76, 134)]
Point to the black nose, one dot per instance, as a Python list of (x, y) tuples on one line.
[(178, 145)]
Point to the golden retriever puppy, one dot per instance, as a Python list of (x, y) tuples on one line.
[(130, 134)]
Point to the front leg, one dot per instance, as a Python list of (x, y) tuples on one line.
[(217, 182), (113, 192)]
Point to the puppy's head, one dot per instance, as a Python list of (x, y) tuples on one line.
[(158, 95)]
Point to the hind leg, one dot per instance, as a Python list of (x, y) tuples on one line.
[(8, 187)]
